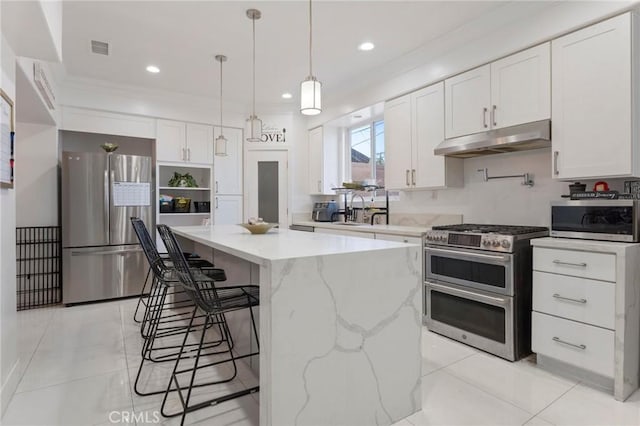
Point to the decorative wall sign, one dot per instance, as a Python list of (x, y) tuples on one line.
[(7, 135), (272, 134)]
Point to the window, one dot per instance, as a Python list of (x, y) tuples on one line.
[(367, 152)]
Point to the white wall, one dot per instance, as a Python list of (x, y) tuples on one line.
[(8, 350), (37, 179)]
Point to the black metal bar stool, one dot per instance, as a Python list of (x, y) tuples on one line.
[(212, 301), (158, 312)]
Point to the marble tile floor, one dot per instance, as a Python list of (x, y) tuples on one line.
[(79, 364)]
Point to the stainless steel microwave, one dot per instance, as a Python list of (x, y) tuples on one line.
[(607, 220)]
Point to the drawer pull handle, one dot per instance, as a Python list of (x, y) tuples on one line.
[(559, 340), (560, 262), (557, 296)]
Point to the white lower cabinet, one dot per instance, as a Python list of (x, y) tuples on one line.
[(346, 233), (586, 313), (227, 209), (584, 346)]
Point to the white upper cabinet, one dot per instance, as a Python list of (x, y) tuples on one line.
[(397, 143), (514, 90), (227, 209), (592, 89), (323, 160), (521, 87), (171, 137), (177, 141), (414, 126), (227, 170), (468, 97)]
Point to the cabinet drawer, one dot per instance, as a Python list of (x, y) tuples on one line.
[(597, 266), (584, 346), (579, 299), (399, 238)]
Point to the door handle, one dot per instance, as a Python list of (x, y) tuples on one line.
[(406, 179), (319, 186), (493, 115), (557, 296), (484, 117), (555, 162), (216, 203), (559, 340), (189, 154), (216, 187), (560, 262), (182, 157), (413, 177)]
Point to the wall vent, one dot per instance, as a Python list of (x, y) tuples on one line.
[(100, 47)]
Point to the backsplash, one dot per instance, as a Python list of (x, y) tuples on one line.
[(502, 201)]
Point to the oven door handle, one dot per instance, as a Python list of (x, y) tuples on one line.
[(459, 254), (496, 301)]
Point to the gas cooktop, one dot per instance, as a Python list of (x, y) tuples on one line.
[(500, 238), (496, 229)]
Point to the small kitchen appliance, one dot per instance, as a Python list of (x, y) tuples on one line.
[(478, 285), (323, 211)]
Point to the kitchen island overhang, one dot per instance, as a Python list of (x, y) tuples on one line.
[(340, 324)]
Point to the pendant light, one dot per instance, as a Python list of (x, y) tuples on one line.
[(221, 141), (310, 88), (254, 124)]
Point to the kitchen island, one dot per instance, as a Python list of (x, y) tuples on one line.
[(340, 324)]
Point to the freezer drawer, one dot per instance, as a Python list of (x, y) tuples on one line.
[(100, 273)]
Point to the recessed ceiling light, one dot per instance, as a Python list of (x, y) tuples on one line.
[(367, 45), (287, 95), (153, 69)]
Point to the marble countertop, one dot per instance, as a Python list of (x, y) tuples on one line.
[(405, 231), (584, 245), (279, 244)]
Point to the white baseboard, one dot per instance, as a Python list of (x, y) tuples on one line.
[(9, 387)]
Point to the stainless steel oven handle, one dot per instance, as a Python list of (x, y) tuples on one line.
[(559, 340), (458, 253), (465, 293), (557, 296), (560, 262)]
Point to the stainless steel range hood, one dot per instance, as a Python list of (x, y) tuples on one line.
[(516, 138)]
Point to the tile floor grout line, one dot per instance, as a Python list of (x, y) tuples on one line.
[(448, 365), (554, 401), (126, 360), (488, 393), (77, 379)]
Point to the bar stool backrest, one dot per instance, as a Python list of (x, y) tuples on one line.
[(148, 246), (189, 283)]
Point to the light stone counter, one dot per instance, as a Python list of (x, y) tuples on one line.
[(340, 324), (405, 231)]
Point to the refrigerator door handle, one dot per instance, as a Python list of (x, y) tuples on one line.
[(107, 202), (105, 252)]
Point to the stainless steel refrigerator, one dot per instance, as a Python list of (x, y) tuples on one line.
[(101, 255)]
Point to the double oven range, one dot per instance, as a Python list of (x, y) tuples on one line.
[(478, 285)]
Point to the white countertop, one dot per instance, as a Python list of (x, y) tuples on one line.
[(584, 245), (405, 231), (279, 244)]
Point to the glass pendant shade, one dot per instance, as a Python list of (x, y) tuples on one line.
[(221, 146), (310, 96), (254, 129)]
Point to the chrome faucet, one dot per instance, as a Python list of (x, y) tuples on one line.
[(355, 194)]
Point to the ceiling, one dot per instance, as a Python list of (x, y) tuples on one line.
[(182, 38)]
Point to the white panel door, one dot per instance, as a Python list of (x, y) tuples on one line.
[(397, 143), (228, 170), (467, 101), (591, 101), (521, 87), (260, 197), (428, 128), (170, 141), (227, 209), (199, 143), (315, 159)]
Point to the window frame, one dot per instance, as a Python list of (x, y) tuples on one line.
[(372, 155)]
